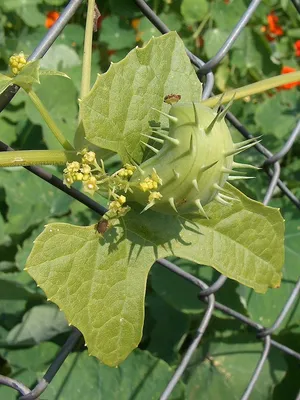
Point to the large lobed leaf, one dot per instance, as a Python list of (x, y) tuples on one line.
[(100, 283), (119, 107), (226, 368)]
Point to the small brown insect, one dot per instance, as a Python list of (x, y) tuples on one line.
[(102, 226), (172, 99)]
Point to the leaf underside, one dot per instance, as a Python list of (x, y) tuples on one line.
[(100, 283), (118, 109)]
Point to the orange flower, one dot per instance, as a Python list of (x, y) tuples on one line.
[(135, 23), (111, 52), (297, 48), (287, 70), (52, 16), (273, 29), (273, 25), (199, 42)]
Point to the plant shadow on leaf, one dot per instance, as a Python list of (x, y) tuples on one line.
[(151, 230)]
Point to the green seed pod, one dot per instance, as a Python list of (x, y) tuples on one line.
[(194, 162)]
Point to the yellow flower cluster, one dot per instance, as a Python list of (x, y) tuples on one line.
[(117, 204), (117, 208), (127, 171), (149, 184), (17, 62), (76, 171), (154, 196)]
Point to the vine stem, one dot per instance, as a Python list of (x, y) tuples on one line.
[(26, 158), (49, 121), (254, 88), (87, 51)]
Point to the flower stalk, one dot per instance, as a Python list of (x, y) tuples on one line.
[(254, 88), (49, 121), (26, 158), (87, 51)]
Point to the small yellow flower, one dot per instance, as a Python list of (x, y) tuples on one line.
[(130, 169), (73, 167), (127, 171), (79, 176), (122, 199), (154, 196), (17, 62), (123, 173), (155, 177), (150, 183), (85, 169), (144, 186), (117, 204), (86, 177), (90, 185), (68, 179), (89, 157)]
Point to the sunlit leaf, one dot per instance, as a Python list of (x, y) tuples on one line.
[(119, 107)]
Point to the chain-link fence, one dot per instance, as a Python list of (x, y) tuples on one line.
[(206, 294)]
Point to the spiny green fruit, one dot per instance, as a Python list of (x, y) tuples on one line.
[(194, 162)]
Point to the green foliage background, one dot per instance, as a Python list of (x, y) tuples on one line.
[(31, 329)]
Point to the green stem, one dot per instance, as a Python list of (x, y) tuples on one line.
[(87, 51), (49, 121), (254, 88), (201, 26), (27, 158)]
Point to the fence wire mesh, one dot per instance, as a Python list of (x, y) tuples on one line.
[(206, 293)]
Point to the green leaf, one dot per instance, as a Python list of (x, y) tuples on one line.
[(117, 33), (227, 366), (274, 301), (169, 331), (24, 251), (51, 72), (40, 323), (109, 294), (22, 189), (28, 75), (118, 109), (27, 366), (250, 51), (100, 283), (213, 40), (140, 377), (13, 115), (278, 114), (227, 14), (72, 36), (60, 56), (14, 286), (5, 81), (35, 359), (15, 291), (193, 10), (146, 30), (27, 10), (8, 131), (125, 8), (179, 293), (4, 238), (183, 295), (59, 97), (56, 3), (28, 39)]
